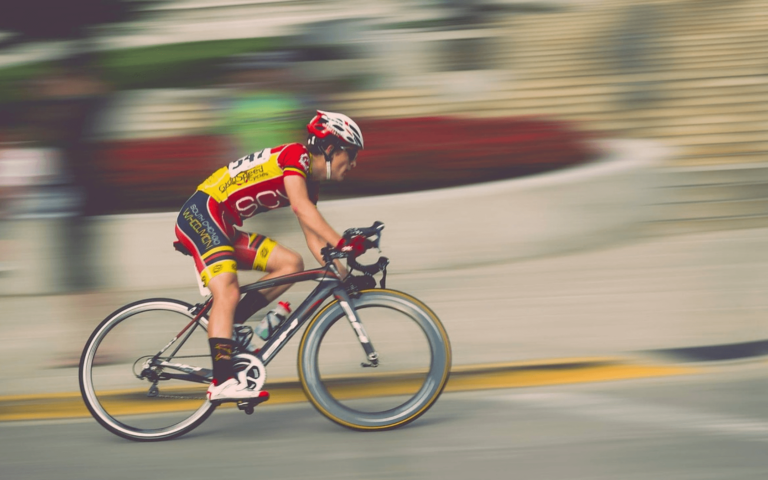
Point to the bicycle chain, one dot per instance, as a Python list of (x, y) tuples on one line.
[(178, 397), (174, 397)]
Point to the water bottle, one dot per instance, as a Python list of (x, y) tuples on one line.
[(272, 320)]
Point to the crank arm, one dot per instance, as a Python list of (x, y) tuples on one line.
[(184, 376), (197, 371)]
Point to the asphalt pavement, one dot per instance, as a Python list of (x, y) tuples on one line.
[(702, 427)]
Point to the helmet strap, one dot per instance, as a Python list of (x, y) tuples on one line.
[(328, 160)]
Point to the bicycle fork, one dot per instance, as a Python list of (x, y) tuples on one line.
[(357, 326)]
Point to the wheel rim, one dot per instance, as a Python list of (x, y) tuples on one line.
[(117, 398), (394, 393)]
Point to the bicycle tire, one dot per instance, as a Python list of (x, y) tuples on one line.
[(327, 392), (100, 404)]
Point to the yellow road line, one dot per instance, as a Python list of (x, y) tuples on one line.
[(464, 378)]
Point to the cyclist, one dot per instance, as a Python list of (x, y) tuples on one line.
[(262, 181)]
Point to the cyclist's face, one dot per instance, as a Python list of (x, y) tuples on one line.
[(343, 162)]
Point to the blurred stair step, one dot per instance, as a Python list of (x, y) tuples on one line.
[(718, 100), (720, 82), (704, 40), (725, 132), (683, 227), (724, 22), (719, 160), (668, 91), (693, 111), (754, 190), (380, 94), (730, 77), (710, 209), (743, 49), (654, 64), (714, 175), (742, 122), (726, 149)]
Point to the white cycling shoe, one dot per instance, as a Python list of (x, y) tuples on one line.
[(231, 390)]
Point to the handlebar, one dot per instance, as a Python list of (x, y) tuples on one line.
[(330, 253)]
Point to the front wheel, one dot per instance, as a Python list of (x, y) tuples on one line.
[(414, 358)]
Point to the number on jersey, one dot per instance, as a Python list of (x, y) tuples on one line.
[(248, 162)]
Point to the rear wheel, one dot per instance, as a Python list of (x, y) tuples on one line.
[(414, 361), (130, 394)]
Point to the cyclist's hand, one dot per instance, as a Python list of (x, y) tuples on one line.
[(355, 245)]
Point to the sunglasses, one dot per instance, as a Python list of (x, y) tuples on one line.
[(351, 152)]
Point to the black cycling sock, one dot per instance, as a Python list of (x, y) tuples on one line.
[(221, 353), (251, 303)]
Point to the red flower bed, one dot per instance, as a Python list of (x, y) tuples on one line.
[(423, 153), (155, 174), (402, 155)]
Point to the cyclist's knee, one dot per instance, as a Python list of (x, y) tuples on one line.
[(225, 288), (296, 263), (285, 261)]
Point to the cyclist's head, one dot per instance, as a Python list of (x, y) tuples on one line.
[(331, 132)]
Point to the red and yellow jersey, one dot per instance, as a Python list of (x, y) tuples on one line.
[(254, 183)]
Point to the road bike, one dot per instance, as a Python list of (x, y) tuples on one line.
[(145, 370)]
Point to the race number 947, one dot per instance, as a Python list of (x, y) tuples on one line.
[(248, 162)]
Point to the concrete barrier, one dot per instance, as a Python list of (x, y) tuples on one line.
[(580, 207)]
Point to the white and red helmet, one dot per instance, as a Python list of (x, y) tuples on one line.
[(328, 128)]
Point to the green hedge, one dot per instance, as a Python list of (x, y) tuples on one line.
[(180, 65)]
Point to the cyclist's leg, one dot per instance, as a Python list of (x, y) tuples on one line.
[(226, 294), (201, 229), (282, 261), (257, 252)]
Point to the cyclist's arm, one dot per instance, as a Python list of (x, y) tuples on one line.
[(316, 230), (306, 211), (315, 244)]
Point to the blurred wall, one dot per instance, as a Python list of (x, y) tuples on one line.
[(582, 207)]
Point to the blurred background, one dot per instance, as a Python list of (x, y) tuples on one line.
[(110, 117), (123, 106), (607, 152)]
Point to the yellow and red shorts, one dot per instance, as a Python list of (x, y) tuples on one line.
[(207, 231)]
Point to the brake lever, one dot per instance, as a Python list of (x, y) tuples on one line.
[(379, 227)]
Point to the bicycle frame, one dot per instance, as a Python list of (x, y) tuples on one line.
[(329, 284)]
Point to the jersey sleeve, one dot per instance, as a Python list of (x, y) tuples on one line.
[(294, 160)]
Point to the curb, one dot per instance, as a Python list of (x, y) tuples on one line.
[(562, 371), (463, 378), (715, 353)]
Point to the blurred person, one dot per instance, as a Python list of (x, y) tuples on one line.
[(70, 100), (66, 105), (30, 174), (268, 179), (9, 187), (5, 191), (265, 104)]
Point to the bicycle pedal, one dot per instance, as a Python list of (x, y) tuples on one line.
[(247, 405)]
